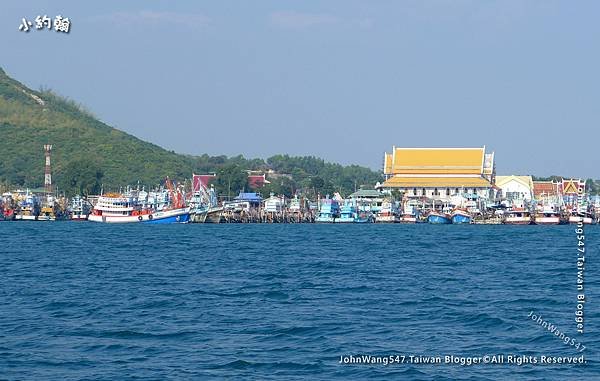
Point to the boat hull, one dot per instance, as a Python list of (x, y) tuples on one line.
[(386, 219), (408, 220), (79, 217), (547, 220), (166, 217), (517, 221), (325, 219), (21, 217), (46, 218), (438, 219), (161, 217), (585, 220), (461, 218)]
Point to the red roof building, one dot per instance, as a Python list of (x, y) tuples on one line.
[(546, 189), (257, 181)]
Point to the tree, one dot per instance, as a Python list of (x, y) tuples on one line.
[(231, 178), (80, 177)]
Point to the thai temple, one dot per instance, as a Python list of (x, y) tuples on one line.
[(439, 173)]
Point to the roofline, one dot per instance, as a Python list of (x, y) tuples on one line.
[(438, 148)]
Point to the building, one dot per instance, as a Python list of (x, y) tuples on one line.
[(515, 187), (438, 173), (257, 179), (274, 204), (546, 189)]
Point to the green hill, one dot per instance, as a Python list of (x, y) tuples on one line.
[(87, 153), (29, 119)]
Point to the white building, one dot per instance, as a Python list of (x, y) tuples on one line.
[(515, 187)]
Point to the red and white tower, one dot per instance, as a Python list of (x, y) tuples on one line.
[(48, 173)]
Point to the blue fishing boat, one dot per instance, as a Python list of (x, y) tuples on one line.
[(329, 210), (347, 213), (439, 218), (350, 213), (460, 216)]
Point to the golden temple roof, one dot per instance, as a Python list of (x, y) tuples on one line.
[(439, 182), (435, 161)]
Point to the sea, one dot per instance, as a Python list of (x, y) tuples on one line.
[(85, 301)]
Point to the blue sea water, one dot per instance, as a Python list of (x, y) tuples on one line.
[(84, 301)]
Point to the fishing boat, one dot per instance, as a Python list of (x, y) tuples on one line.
[(79, 209), (28, 206), (128, 208), (517, 217), (388, 212), (329, 210), (347, 213), (47, 210), (548, 215), (410, 212), (117, 208), (350, 213), (46, 214), (204, 206), (7, 210), (586, 219), (460, 216), (435, 217)]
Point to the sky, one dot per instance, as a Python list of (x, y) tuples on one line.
[(342, 80)]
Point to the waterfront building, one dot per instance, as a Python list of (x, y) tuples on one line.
[(515, 187), (439, 173), (547, 189), (274, 204), (368, 200)]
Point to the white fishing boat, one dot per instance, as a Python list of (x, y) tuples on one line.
[(388, 213), (586, 219), (517, 217), (128, 208)]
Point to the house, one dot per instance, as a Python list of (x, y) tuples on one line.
[(274, 204), (253, 199), (438, 173), (257, 179), (546, 189)]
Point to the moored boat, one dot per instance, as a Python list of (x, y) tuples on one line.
[(388, 212), (28, 206), (79, 209), (329, 210), (129, 208), (517, 217), (587, 219), (410, 212), (347, 213), (549, 215), (116, 208), (460, 216), (435, 217)]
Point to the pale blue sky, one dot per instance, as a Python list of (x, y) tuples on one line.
[(343, 80)]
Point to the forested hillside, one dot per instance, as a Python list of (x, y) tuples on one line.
[(87, 153)]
